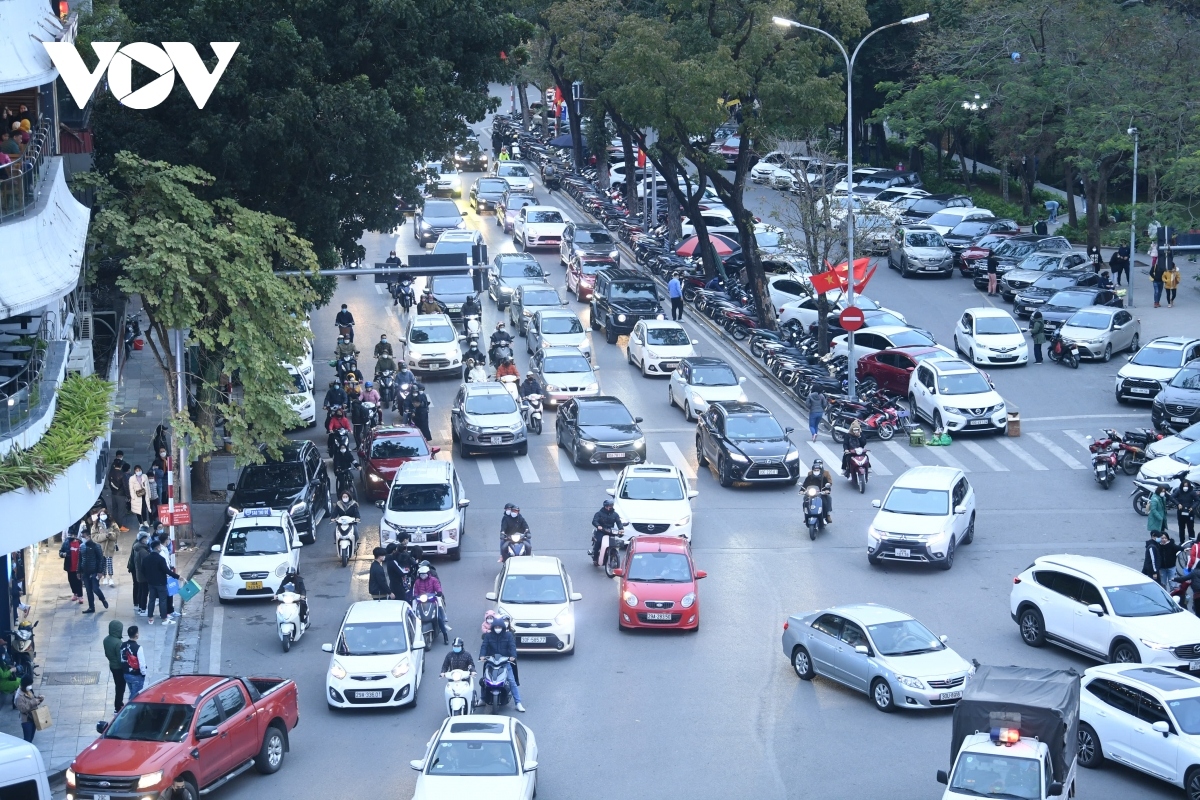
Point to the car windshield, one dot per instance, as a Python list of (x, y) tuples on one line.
[(298, 383), (927, 205), (910, 338), (632, 290), (421, 497), (447, 168), (991, 240), (651, 489), (991, 775), (1152, 356), (490, 404), (924, 239), (587, 236), (372, 639), (1189, 455), (1186, 711), (431, 334), (876, 182), (1072, 299), (766, 239), (151, 722), (945, 218), (659, 568), (399, 447), (963, 383), (440, 208), (492, 186), (1013, 249), (467, 758), (540, 297), (904, 638), (272, 477), (262, 541), (1096, 320), (520, 268), (508, 169), (969, 230), (922, 502), (752, 426), (1187, 379), (456, 245), (561, 325), (544, 216), (667, 337), (995, 326), (604, 414), (555, 364), (534, 590), (715, 375), (1140, 600), (881, 318), (449, 285), (1053, 282), (872, 222), (1039, 263)]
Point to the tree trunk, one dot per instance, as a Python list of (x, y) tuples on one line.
[(627, 150), (1069, 175), (1091, 190), (940, 173), (1028, 178), (962, 161), (881, 148), (523, 100), (1004, 179), (1152, 189), (674, 218)]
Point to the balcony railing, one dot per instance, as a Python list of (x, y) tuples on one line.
[(21, 179)]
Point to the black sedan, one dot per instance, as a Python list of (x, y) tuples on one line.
[(510, 270), (1034, 296), (486, 194), (297, 482), (588, 243), (470, 157), (599, 430), (1063, 304), (1178, 405), (743, 442)]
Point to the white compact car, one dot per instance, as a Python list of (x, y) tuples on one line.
[(654, 499), (301, 397), (427, 502), (1152, 367), (882, 337), (478, 755), (657, 346), (990, 336), (805, 311), (1105, 611), (1147, 718), (538, 226), (378, 658), (927, 514), (699, 381), (557, 327), (955, 396), (516, 174), (536, 593), (1169, 469), (260, 547), (432, 344)]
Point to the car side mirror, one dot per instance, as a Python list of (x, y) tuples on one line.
[(595, 367), (206, 731), (944, 639), (327, 647), (297, 543), (435, 450), (231, 487), (637, 419), (619, 572), (960, 509), (418, 644), (576, 597), (942, 777), (700, 574), (101, 727), (379, 504), (1056, 788), (530, 766), (862, 650), (610, 491), (742, 379), (1096, 609), (416, 764), (489, 596), (788, 431), (693, 494), (464, 503), (1162, 726), (876, 504), (695, 341), (216, 548)]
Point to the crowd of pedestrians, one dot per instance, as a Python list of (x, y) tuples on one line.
[(1174, 564)]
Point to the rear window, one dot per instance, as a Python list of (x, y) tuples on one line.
[(400, 447)]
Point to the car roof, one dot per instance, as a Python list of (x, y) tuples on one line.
[(477, 726), (949, 366), (515, 256), (555, 312), (181, 689), (1178, 342), (869, 613), (600, 399), (1109, 310), (705, 361), (430, 320), (292, 452), (376, 611), (1098, 569), (394, 430), (490, 387), (590, 226), (431, 472), (458, 236), (544, 208), (944, 196), (662, 323), (928, 476), (887, 330), (1167, 681), (651, 471), (562, 350), (987, 311), (534, 565), (664, 544), (732, 408), (258, 517), (619, 274), (920, 227)]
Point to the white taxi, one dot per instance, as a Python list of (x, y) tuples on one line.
[(656, 346), (537, 595), (260, 547)]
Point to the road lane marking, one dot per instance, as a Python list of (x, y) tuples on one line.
[(525, 467), (985, 457), (606, 474), (487, 471), (832, 461), (1055, 450), (214, 641), (941, 455), (1020, 453), (565, 470), (1085, 416), (1078, 438), (902, 454), (677, 458)]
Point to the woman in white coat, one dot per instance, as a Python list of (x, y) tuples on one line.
[(139, 495)]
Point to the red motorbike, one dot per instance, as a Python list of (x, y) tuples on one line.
[(879, 417), (1104, 459), (859, 468)]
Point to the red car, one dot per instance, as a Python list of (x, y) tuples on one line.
[(658, 585), (980, 250), (384, 450), (890, 369), (581, 274)]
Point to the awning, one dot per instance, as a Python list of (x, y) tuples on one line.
[(24, 25), (562, 141), (44, 249)]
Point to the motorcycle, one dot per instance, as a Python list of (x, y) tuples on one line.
[(401, 405), (288, 620), (426, 608), (345, 365), (814, 510), (460, 693), (860, 468), (608, 555), (494, 683), (500, 353), (387, 389), (516, 545), (374, 414), (1142, 489), (402, 293), (1104, 461), (531, 411), (345, 532), (346, 330), (471, 325), (339, 438), (345, 482), (1063, 351)]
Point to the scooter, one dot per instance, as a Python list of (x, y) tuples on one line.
[(1104, 461), (499, 353), (1063, 351), (494, 682), (426, 608), (471, 325), (531, 410), (609, 553), (387, 389), (516, 545), (460, 693), (339, 438), (287, 619), (346, 330), (814, 510), (345, 532), (404, 295), (374, 414), (345, 482), (402, 393), (860, 468), (345, 365)]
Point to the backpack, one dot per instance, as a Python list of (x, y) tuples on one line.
[(129, 658)]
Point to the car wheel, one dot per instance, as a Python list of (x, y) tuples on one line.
[(456, 553), (670, 397), (629, 356), (969, 536), (575, 459), (453, 435), (1090, 753), (701, 459), (687, 411), (610, 334), (1107, 353), (971, 356), (592, 319), (802, 664), (463, 452), (1191, 783), (1033, 627), (881, 695), (1133, 345), (946, 563), (913, 413), (937, 421), (1120, 397), (270, 755), (523, 448), (903, 267), (1125, 653), (724, 472)]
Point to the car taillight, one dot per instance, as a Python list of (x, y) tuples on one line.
[(1017, 579), (785, 624)]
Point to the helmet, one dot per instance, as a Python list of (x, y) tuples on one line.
[(608, 503), (423, 571), (369, 384), (509, 506), (499, 326), (424, 563), (818, 464), (529, 374), (340, 337), (458, 642)]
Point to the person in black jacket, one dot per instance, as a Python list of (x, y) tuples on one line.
[(499, 641), (418, 405), (155, 571), (603, 522), (457, 658), (91, 566), (345, 319), (400, 571), (513, 522), (1188, 500), (377, 585)]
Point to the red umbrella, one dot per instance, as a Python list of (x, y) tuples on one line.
[(723, 244)]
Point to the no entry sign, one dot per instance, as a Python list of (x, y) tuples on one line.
[(851, 318)]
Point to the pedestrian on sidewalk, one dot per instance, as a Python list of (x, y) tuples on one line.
[(10, 682), (675, 290), (1171, 283), (1156, 275), (112, 651), (1120, 263), (1153, 252), (105, 533), (1037, 332), (69, 552), (168, 553), (1096, 258), (91, 567), (817, 405), (27, 702), (118, 483), (133, 659), (1187, 501), (1168, 554), (155, 571), (377, 584), (139, 496), (1052, 207), (1156, 517), (134, 565)]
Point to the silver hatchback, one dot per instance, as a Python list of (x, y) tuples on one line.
[(485, 416), (877, 650), (919, 249)]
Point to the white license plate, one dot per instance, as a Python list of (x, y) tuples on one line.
[(1194, 665), (378, 695), (102, 797), (979, 422), (533, 640), (1101, 468), (1179, 419), (1139, 391), (615, 455), (652, 615), (768, 472), (949, 695), (495, 439), (903, 552), (416, 537)]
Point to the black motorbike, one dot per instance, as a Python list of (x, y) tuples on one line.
[(1063, 351), (345, 482), (387, 388), (814, 510), (516, 544), (493, 683), (500, 352), (339, 438)]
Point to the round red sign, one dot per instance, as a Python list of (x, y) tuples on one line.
[(851, 318)]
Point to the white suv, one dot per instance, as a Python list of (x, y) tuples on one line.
[(654, 499), (538, 226), (428, 503), (1143, 717), (1103, 610), (955, 396), (927, 514), (259, 549), (536, 594)]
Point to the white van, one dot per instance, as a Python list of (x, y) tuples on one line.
[(22, 771)]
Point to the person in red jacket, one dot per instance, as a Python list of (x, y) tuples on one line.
[(339, 421), (70, 552)]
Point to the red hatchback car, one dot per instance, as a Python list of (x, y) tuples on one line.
[(384, 450), (890, 369), (581, 275), (658, 585), (966, 260)]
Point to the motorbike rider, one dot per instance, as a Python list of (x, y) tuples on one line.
[(383, 363), (292, 582), (507, 367), (383, 346), (471, 307), (428, 304), (475, 372), (337, 422), (499, 641), (530, 385), (474, 352), (400, 570), (603, 522), (418, 407), (370, 394), (346, 506), (335, 396), (343, 460), (819, 476), (345, 319), (359, 417), (500, 337), (512, 522), (457, 658), (352, 386), (345, 347), (427, 583), (854, 440)]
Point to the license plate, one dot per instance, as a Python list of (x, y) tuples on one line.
[(495, 439), (1179, 419), (979, 422), (615, 455), (1101, 468), (902, 552), (533, 640), (768, 472), (1194, 665), (253, 584), (949, 695), (102, 797), (376, 695), (416, 537), (1139, 391), (652, 615)]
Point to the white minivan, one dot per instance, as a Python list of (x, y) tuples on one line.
[(22, 771)]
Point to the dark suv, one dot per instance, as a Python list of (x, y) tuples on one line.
[(926, 207), (620, 300), (1014, 251), (297, 482), (1178, 404)]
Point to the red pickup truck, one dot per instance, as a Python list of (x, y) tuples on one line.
[(202, 729)]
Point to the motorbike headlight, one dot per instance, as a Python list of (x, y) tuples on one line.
[(630, 599), (688, 600), (1155, 645), (739, 458), (401, 668), (298, 508), (912, 683), (593, 387), (150, 781), (792, 455), (337, 670), (683, 521), (281, 570)]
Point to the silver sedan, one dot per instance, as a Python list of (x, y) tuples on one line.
[(1101, 331), (877, 650)]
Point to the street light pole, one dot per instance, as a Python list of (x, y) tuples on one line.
[(1132, 222), (850, 59)]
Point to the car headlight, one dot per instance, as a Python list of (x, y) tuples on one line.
[(614, 254), (337, 670), (660, 316), (550, 387), (639, 442), (588, 445), (793, 455), (374, 478), (69, 776), (697, 400), (912, 683), (298, 508), (517, 426), (412, 361), (592, 387), (1155, 645), (877, 535), (739, 458), (742, 398), (971, 671), (506, 289), (461, 224), (282, 570), (620, 317), (684, 520), (150, 781), (630, 599), (401, 668), (226, 572), (688, 600), (563, 616), (473, 428), (525, 312)]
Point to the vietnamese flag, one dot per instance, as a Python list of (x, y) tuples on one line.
[(862, 274), (827, 281)]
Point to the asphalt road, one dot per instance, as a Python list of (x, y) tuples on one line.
[(659, 715)]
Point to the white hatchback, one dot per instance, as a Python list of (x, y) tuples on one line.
[(990, 336), (475, 756), (300, 397), (432, 344), (378, 658), (927, 514), (538, 226), (956, 397), (260, 547), (654, 499), (657, 346), (699, 381), (537, 595)]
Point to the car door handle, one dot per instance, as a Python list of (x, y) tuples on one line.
[(1100, 713)]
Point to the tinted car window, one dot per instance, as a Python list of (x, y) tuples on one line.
[(402, 447), (829, 624), (586, 236), (440, 208), (493, 185), (604, 414), (273, 477)]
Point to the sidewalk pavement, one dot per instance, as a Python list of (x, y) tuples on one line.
[(73, 673)]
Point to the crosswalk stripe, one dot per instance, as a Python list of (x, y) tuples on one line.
[(607, 474), (1020, 453), (1055, 450), (985, 457), (487, 471), (673, 452), (565, 470), (525, 467), (902, 454), (1078, 438), (941, 455), (832, 461)]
